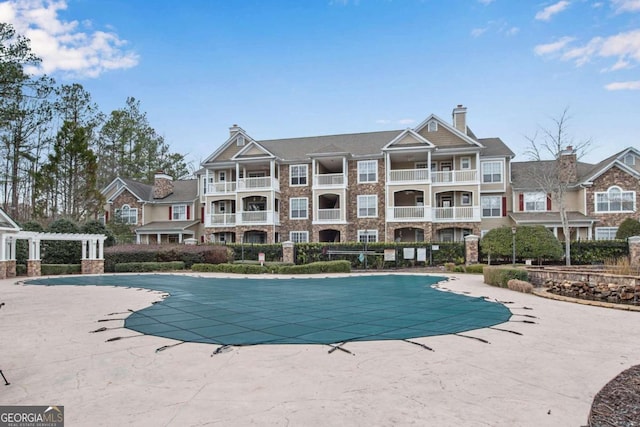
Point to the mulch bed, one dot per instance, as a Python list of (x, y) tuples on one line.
[(618, 403)]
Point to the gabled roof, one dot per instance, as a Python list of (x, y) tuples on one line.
[(183, 190), (614, 160), (252, 150), (231, 140), (468, 139), (495, 147), (6, 223), (396, 143)]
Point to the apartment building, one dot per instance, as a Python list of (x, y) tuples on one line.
[(435, 182)]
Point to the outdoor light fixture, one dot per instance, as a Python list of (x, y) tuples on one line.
[(513, 245)]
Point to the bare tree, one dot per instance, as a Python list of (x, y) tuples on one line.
[(556, 154)]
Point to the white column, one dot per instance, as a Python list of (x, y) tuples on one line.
[(3, 247), (555, 232), (100, 249), (12, 249), (32, 249), (137, 238), (590, 232), (345, 172), (180, 238), (158, 237), (84, 249)]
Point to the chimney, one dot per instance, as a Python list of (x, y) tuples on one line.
[(162, 185), (234, 129), (568, 161), (460, 118)]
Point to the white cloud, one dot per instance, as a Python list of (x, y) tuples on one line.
[(623, 47), (631, 85), (66, 46), (550, 48), (406, 121), (626, 5), (512, 31), (383, 121), (477, 32), (546, 13), (486, 2)]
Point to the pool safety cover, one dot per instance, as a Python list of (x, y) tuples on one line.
[(298, 311)]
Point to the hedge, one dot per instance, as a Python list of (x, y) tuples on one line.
[(316, 267), (188, 254), (500, 276), (57, 269), (140, 267)]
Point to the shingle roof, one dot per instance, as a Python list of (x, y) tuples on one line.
[(166, 226), (494, 147), (183, 191), (548, 217)]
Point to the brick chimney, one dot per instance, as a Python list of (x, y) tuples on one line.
[(460, 118), (568, 161), (162, 185)]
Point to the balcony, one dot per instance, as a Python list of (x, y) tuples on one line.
[(408, 175), (456, 213), (409, 213), (257, 218), (223, 187), (221, 220), (329, 180), (258, 184), (329, 215), (455, 177)]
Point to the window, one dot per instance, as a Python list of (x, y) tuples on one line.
[(222, 176), (240, 141), (299, 236), (368, 171), (615, 200), (299, 208), (465, 163), (368, 236), (465, 199), (606, 233), (298, 175), (491, 172), (491, 206), (127, 215), (367, 206), (535, 202), (630, 160), (432, 126), (179, 212)]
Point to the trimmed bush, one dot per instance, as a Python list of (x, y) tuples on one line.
[(230, 268), (317, 267), (57, 269), (244, 268), (21, 269), (162, 253), (520, 286), (500, 276), (140, 267), (474, 268), (450, 266)]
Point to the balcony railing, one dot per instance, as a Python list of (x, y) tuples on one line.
[(408, 175), (409, 213), (329, 215), (258, 183), (222, 220), (329, 180), (258, 218), (456, 213), (454, 177), (224, 187)]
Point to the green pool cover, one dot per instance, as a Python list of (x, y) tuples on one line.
[(298, 311)]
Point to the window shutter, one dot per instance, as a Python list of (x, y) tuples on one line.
[(521, 202), (106, 216), (170, 213), (504, 206), (188, 212), (202, 217), (201, 239), (548, 202)]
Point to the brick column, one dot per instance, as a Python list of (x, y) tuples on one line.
[(33, 268), (634, 250), (92, 266), (471, 249), (11, 269), (288, 253)]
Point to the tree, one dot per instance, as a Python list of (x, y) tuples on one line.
[(629, 227), (556, 177), (97, 227), (531, 242), (62, 252)]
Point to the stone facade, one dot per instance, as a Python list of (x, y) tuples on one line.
[(11, 269), (355, 190), (618, 177), (92, 266), (34, 268), (162, 186), (288, 253), (287, 192), (471, 249), (634, 250), (3, 270), (126, 198)]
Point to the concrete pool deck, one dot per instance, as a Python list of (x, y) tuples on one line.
[(547, 376)]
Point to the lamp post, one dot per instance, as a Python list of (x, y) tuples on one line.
[(366, 242), (513, 245)]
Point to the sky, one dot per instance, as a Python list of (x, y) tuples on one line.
[(284, 69)]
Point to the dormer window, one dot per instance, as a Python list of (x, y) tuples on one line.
[(240, 141), (432, 126), (630, 160)]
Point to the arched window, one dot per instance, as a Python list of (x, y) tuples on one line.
[(127, 214), (615, 199)]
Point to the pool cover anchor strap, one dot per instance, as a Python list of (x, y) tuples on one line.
[(426, 347), (164, 347), (4, 378), (109, 320), (121, 338), (222, 349), (504, 330), (335, 347), (473, 338)]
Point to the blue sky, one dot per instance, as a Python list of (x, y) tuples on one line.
[(299, 68)]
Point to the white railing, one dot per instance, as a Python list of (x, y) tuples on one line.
[(222, 187), (456, 213), (329, 215), (221, 220), (257, 217), (454, 177), (258, 183), (408, 213), (329, 180), (409, 175)]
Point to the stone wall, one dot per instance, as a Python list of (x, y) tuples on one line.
[(606, 292), (287, 224), (34, 268), (11, 269), (92, 266), (3, 270), (126, 198)]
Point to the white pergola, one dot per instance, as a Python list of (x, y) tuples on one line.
[(92, 244)]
